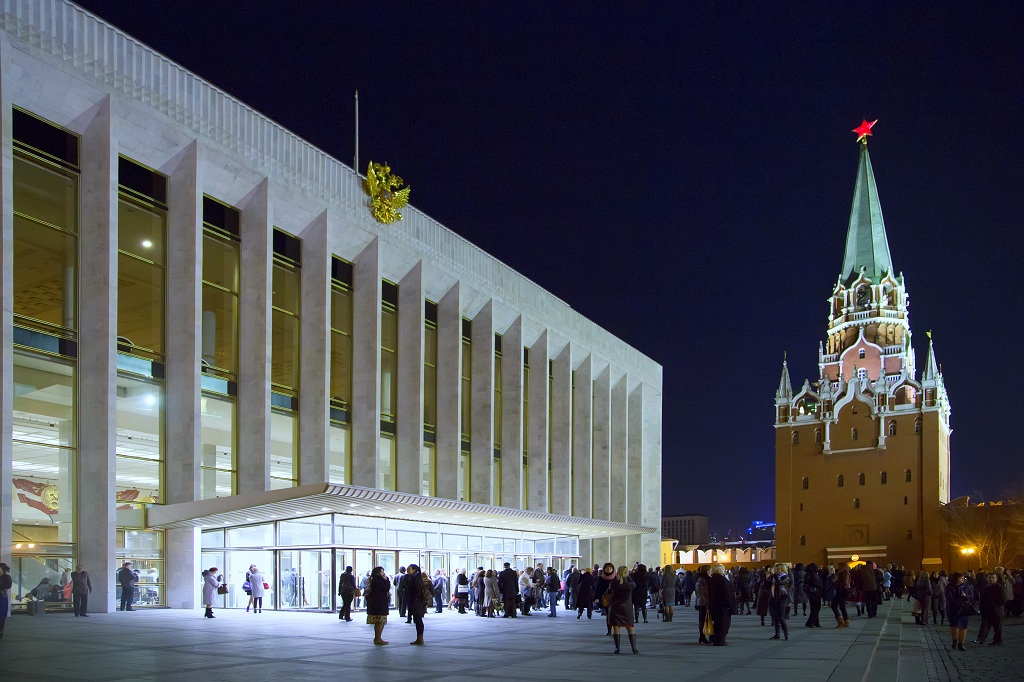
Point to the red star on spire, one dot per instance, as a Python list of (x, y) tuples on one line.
[(864, 130)]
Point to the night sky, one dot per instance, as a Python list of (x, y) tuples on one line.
[(681, 174)]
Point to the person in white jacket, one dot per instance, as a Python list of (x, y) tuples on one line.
[(256, 586), (211, 581)]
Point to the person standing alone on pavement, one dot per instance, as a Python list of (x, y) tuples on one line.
[(127, 578), (81, 586)]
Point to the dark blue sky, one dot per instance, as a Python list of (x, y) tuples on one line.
[(684, 174)]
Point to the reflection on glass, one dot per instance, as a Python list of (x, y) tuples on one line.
[(218, 446), (139, 442)]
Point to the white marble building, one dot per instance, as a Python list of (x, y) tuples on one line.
[(213, 354)]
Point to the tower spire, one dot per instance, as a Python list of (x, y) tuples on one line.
[(785, 385), (866, 244), (931, 367)]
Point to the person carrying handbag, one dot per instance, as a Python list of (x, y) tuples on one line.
[(212, 585)]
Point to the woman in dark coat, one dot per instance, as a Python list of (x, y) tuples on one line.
[(721, 604), (813, 587), (700, 593), (640, 593), (762, 593), (603, 583), (620, 613), (378, 603), (585, 594), (417, 594)]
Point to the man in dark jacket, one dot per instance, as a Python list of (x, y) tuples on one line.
[(400, 592), (127, 578), (440, 586), (869, 582), (993, 597), (81, 586), (721, 604), (508, 586)]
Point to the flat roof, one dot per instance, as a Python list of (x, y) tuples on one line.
[(323, 498)]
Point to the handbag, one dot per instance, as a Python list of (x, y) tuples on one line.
[(266, 586), (222, 589), (606, 599), (357, 593), (709, 625), (247, 586)]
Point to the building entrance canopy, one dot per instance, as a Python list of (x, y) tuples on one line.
[(320, 498)]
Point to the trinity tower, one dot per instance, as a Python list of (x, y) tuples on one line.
[(862, 453)]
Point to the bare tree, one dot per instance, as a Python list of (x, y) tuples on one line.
[(994, 531)]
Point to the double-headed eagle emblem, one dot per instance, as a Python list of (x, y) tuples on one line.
[(385, 197)]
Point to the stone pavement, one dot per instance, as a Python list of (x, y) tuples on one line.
[(170, 645)]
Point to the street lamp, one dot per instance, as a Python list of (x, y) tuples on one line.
[(967, 553)]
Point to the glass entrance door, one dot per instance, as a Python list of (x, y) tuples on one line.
[(305, 579)]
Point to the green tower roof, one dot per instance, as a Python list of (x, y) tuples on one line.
[(866, 244)]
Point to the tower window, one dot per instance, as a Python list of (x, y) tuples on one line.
[(817, 435), (862, 373), (803, 540), (801, 506), (856, 503), (796, 438), (885, 478), (917, 426), (892, 428), (853, 434), (910, 534), (840, 481), (805, 483), (906, 475), (860, 479), (904, 499), (860, 354)]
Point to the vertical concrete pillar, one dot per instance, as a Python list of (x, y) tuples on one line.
[(635, 457), (409, 431), (512, 415), (582, 438), (537, 466), (254, 341), (601, 481), (481, 437), (182, 415), (600, 551), (182, 418), (366, 301), (315, 366), (561, 433), (619, 551), (651, 475), (619, 447), (97, 360), (449, 392), (7, 303)]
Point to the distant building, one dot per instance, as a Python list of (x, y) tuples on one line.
[(862, 454), (687, 529), (761, 530)]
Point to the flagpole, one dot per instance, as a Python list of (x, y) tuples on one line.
[(357, 133)]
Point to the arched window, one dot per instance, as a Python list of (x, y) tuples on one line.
[(803, 540), (853, 434), (805, 483), (917, 426), (906, 475), (860, 479), (817, 435), (904, 499), (910, 535), (892, 428), (860, 354), (862, 373), (885, 478), (856, 503), (796, 438), (801, 506), (840, 480)]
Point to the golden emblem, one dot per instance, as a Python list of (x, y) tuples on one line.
[(385, 197), (50, 495)]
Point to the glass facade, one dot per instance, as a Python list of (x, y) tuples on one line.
[(217, 440), (139, 460), (284, 445)]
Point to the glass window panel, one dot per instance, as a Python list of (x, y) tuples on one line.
[(339, 449), (216, 483), (429, 397), (366, 537), (284, 357), (217, 437), (45, 262), (411, 539), (496, 481), (45, 193), (389, 328), (251, 536), (283, 443), (463, 482), (314, 530), (135, 540), (388, 384), (140, 303), (220, 261), (341, 367), (341, 309), (220, 328), (286, 288), (454, 542), (140, 231), (386, 468), (138, 482), (427, 470), (43, 478), (213, 538)]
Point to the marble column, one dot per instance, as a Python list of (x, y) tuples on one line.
[(635, 457), (97, 359), (7, 300), (182, 415), (409, 429), (254, 339), (601, 481), (619, 447), (582, 438), (449, 392), (512, 415), (315, 360), (651, 476), (561, 433), (537, 465), (481, 406), (366, 302), (619, 552)]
